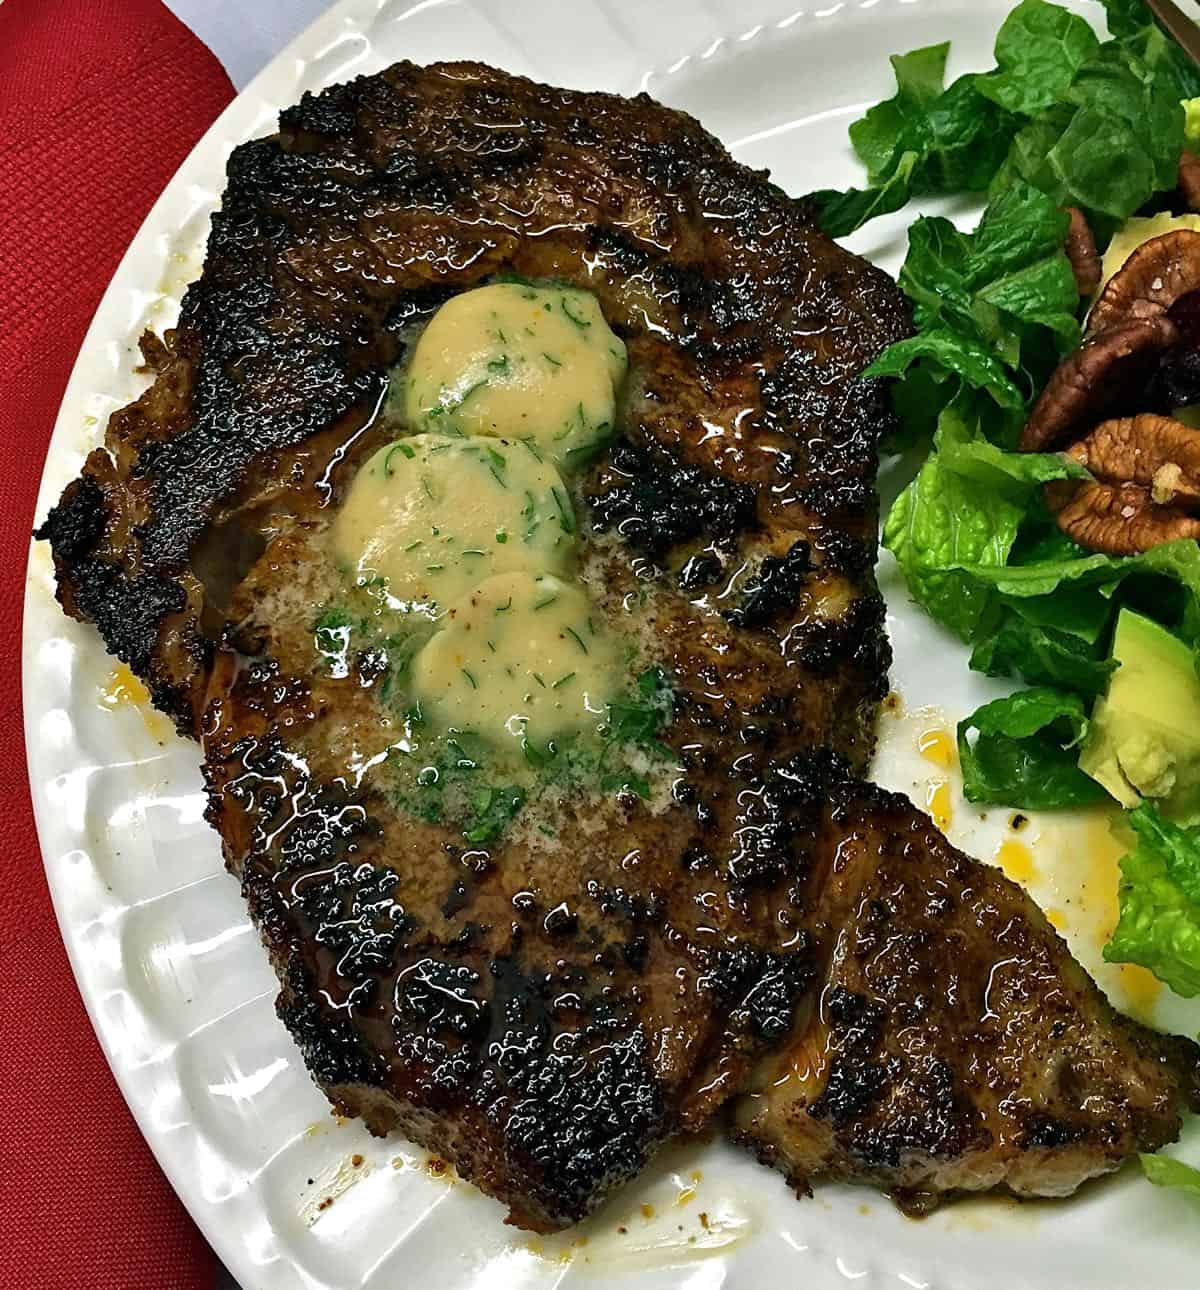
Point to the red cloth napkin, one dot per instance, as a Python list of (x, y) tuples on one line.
[(100, 100)]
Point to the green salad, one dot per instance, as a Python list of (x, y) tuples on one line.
[(1065, 119)]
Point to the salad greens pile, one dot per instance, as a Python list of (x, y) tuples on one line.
[(1094, 125), (1064, 119)]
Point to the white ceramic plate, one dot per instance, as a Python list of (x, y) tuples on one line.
[(171, 971)]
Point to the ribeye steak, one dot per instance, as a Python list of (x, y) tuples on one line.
[(545, 1007)]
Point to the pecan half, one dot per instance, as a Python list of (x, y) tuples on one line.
[(1141, 357), (1147, 479), (1157, 275), (1094, 380), (1189, 179), (1081, 251), (1117, 519), (1159, 453)]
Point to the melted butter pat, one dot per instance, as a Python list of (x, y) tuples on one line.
[(521, 362), (435, 516), (521, 655)]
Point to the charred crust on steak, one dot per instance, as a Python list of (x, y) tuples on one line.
[(778, 812), (841, 552), (776, 589), (857, 637), (655, 502), (127, 607), (856, 1081), (75, 526), (1041, 1130), (700, 571), (356, 917), (579, 1121), (760, 987), (932, 1116), (920, 1119), (333, 1051)]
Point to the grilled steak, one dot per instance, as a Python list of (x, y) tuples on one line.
[(545, 1006)]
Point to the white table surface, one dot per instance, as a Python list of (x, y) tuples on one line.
[(246, 34)]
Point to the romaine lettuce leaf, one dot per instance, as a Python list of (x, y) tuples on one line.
[(1091, 124), (1028, 152), (1174, 567), (1132, 22), (1012, 645), (1112, 140), (1098, 165), (996, 308), (841, 213), (1021, 751), (1126, 17), (925, 139), (1074, 611), (959, 137), (1039, 49), (1012, 271), (1165, 1171), (967, 141), (980, 554), (1167, 56), (1133, 83), (963, 511), (1159, 926), (899, 124), (944, 352), (943, 520)]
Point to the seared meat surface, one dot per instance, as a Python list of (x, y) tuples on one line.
[(952, 1044), (545, 1007)]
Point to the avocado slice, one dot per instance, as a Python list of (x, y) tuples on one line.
[(1144, 737)]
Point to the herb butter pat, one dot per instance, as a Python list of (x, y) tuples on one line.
[(522, 656), (433, 517), (538, 364)]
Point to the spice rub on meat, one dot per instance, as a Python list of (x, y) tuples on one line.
[(544, 1007)]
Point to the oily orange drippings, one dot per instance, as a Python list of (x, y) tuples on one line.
[(122, 688), (1016, 860), (939, 805), (937, 746)]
